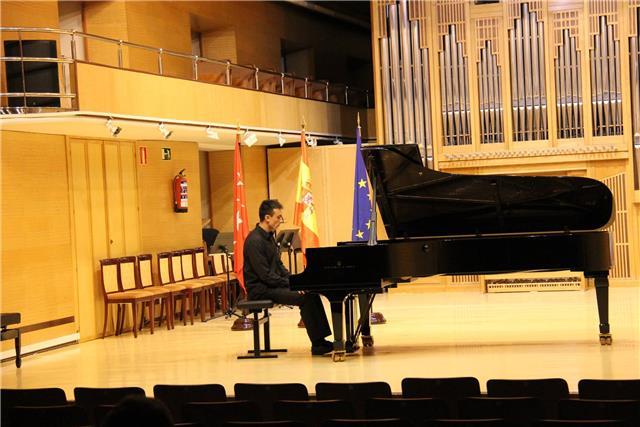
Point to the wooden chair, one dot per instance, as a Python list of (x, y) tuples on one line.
[(130, 283), (219, 281), (193, 287), (210, 284), (110, 273), (145, 281), (166, 281)]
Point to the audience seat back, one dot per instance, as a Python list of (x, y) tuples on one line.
[(413, 410), (609, 389), (356, 393), (215, 414), (177, 396), (265, 395), (312, 412)]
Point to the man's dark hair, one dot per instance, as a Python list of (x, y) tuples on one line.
[(267, 207)]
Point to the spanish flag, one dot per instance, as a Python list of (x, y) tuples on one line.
[(240, 221), (305, 213)]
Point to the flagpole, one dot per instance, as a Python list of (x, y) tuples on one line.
[(373, 232)]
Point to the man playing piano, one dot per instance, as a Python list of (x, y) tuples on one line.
[(266, 277)]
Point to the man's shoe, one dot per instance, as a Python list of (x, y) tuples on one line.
[(322, 348)]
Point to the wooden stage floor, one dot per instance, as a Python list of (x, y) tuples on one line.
[(427, 334)]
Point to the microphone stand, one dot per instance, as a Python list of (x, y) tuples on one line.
[(242, 323)]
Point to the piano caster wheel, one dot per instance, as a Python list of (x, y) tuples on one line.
[(367, 341), (605, 339), (339, 356)]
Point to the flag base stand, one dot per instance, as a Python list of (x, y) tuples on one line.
[(377, 318), (242, 324)]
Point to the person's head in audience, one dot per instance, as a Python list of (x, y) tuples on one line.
[(138, 411)]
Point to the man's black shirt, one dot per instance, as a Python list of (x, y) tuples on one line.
[(262, 265)]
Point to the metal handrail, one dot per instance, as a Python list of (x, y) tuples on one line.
[(258, 76)]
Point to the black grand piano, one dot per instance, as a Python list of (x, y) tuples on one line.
[(441, 223)]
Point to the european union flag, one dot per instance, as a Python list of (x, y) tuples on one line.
[(361, 200)]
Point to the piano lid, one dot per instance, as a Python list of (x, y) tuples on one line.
[(416, 202)]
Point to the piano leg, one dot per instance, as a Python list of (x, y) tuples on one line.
[(337, 319), (602, 295), (365, 302)]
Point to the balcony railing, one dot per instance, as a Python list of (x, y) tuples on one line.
[(136, 57)]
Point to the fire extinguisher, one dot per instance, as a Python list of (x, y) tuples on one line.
[(180, 192)]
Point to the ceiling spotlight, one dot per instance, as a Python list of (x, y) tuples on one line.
[(114, 129), (281, 140), (166, 133), (250, 138), (212, 133)]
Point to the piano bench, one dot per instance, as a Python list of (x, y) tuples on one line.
[(6, 333), (256, 307)]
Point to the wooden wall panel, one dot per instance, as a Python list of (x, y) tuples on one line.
[(108, 19), (37, 269), (220, 44), (221, 184), (162, 25), (132, 93), (113, 192), (254, 160), (130, 206), (85, 270), (29, 14), (283, 164), (161, 228)]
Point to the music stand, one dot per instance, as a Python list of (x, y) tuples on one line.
[(209, 236), (223, 243), (289, 241)]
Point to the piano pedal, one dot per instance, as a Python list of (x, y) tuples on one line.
[(367, 341), (351, 347), (605, 339), (339, 356)]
